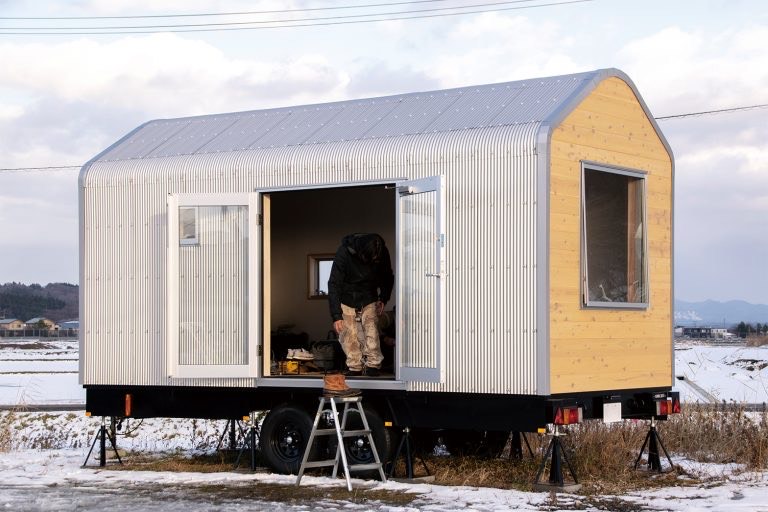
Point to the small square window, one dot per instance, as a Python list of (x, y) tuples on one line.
[(188, 217), (318, 271), (614, 238)]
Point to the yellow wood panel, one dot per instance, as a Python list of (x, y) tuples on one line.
[(572, 329), (603, 349), (614, 377), (627, 144), (563, 157)]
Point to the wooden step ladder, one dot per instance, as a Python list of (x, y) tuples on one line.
[(340, 430)]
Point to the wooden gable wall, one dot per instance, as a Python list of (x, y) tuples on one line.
[(595, 349)]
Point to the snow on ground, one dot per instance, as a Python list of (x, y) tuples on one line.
[(725, 373), (53, 479), (42, 472), (34, 372)]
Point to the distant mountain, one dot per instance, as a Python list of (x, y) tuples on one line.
[(711, 313), (55, 301)]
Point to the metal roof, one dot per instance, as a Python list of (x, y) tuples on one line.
[(541, 100)]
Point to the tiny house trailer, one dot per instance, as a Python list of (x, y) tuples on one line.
[(530, 227)]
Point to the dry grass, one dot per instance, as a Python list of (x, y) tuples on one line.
[(6, 432), (602, 455), (722, 434), (757, 341)]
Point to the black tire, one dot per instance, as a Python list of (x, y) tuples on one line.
[(284, 436), (358, 449)]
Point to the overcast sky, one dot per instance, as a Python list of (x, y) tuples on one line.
[(64, 98)]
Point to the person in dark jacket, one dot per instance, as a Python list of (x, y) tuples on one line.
[(359, 286)]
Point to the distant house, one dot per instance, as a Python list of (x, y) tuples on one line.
[(11, 324), (70, 324), (40, 322), (697, 332)]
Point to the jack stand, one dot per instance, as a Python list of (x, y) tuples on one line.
[(405, 442), (556, 481), (653, 440), (101, 436), (516, 448), (230, 428), (251, 438)]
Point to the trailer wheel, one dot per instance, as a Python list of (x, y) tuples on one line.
[(284, 436)]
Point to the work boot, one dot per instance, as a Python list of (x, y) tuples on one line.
[(335, 385)]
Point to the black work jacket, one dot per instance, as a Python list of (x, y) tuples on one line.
[(356, 283)]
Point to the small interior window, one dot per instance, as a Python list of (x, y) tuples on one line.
[(319, 270), (188, 225), (614, 237)]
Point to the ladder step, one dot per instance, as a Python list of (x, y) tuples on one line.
[(350, 433), (364, 467), (319, 463), (325, 431), (345, 433)]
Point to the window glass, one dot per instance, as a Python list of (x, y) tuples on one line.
[(319, 270), (188, 225), (614, 238)]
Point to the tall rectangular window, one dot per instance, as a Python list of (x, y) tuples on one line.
[(318, 270), (614, 237), (188, 225)]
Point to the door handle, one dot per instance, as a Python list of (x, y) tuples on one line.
[(440, 274)]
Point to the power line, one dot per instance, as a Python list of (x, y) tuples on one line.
[(660, 118), (709, 112), (277, 21), (211, 14), (37, 169), (313, 22)]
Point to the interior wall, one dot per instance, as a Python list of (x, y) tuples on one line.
[(314, 222)]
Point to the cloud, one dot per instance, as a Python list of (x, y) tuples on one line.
[(377, 78), (161, 73), (679, 71), (498, 47), (10, 112)]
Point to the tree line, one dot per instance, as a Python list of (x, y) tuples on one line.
[(55, 301), (745, 329)]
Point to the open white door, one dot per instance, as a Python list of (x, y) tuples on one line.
[(213, 279), (421, 280)]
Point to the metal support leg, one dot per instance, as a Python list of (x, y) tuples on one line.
[(516, 448), (405, 442), (101, 437), (250, 442), (556, 480), (653, 441)]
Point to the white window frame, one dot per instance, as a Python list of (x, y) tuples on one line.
[(251, 369)]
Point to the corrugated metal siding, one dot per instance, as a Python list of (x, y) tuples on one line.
[(490, 177), (490, 291)]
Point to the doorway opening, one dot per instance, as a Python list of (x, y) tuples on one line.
[(301, 231)]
